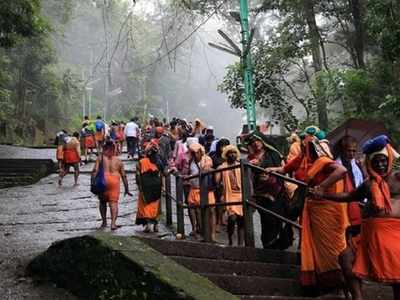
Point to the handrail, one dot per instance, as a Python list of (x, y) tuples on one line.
[(286, 178), (204, 205), (297, 225), (211, 172)]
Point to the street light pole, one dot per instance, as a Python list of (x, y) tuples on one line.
[(248, 66)]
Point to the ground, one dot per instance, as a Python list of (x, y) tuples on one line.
[(32, 217)]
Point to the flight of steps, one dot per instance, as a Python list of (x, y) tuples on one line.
[(249, 273), (16, 172)]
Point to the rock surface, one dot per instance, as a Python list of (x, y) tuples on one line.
[(102, 266)]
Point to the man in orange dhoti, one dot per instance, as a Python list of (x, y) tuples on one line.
[(199, 162), (148, 179), (232, 192), (71, 157), (113, 172), (378, 254)]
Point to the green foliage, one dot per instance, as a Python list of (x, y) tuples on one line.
[(19, 18), (383, 22)]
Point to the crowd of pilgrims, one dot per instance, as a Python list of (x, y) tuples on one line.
[(350, 226)]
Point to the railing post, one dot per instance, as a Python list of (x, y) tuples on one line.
[(180, 218), (247, 210), (205, 213), (168, 203)]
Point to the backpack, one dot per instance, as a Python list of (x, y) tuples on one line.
[(99, 125)]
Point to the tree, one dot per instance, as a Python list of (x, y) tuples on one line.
[(19, 18)]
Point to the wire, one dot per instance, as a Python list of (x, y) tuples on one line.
[(161, 57)]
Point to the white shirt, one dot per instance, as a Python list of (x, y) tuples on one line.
[(131, 129)]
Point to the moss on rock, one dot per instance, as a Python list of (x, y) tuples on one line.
[(103, 266)]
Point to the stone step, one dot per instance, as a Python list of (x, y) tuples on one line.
[(242, 268), (254, 297), (212, 251), (15, 172), (256, 285)]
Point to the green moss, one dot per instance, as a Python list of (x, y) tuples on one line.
[(103, 266)]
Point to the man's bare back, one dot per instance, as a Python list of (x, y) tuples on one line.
[(113, 165)]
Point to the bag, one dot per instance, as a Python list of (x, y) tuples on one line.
[(99, 125), (151, 186), (98, 185)]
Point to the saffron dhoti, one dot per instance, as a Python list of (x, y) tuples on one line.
[(71, 156), (194, 196), (378, 256), (112, 187)]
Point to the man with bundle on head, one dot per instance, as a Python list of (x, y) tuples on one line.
[(232, 192), (113, 172), (378, 254), (148, 179)]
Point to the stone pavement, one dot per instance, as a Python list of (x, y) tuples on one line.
[(32, 217)]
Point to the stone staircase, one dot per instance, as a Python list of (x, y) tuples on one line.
[(249, 273), (16, 172)]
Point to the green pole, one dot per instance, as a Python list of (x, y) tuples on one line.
[(248, 66)]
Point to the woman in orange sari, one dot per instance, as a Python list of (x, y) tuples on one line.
[(323, 222), (148, 179)]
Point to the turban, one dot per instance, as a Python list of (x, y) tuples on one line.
[(160, 130), (196, 147), (380, 190), (230, 148)]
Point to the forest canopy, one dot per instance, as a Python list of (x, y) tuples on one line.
[(314, 62)]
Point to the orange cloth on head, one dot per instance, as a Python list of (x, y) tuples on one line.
[(229, 195), (323, 232), (194, 196), (147, 211), (379, 188), (378, 256), (71, 156), (99, 136), (147, 166), (60, 152), (112, 187)]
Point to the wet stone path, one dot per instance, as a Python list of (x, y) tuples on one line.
[(32, 217)]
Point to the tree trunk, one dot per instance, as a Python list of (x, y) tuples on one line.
[(357, 8), (314, 36)]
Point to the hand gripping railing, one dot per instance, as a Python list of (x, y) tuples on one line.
[(204, 206)]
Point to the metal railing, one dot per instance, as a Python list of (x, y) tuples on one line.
[(246, 202)]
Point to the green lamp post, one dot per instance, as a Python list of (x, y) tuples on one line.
[(247, 66)]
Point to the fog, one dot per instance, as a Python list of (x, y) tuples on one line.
[(122, 53)]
